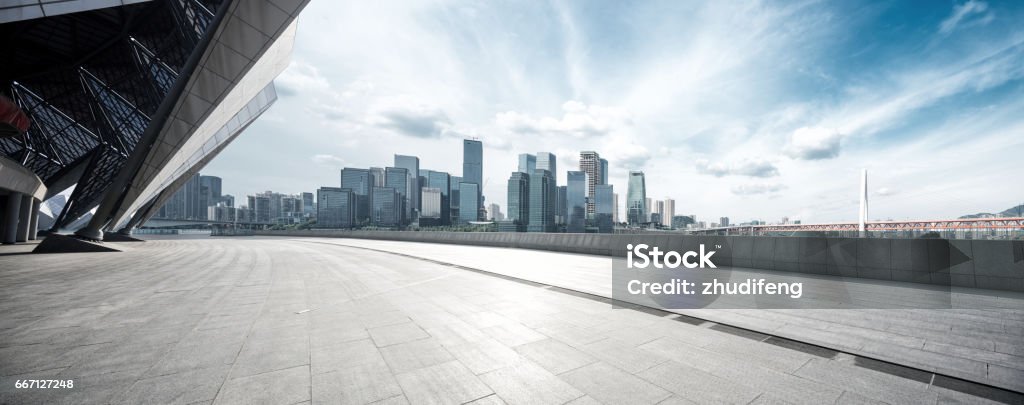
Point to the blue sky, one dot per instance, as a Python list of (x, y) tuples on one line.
[(752, 110)]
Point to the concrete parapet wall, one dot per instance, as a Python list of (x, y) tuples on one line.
[(989, 264)]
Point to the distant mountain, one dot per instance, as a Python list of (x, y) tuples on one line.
[(1017, 211)]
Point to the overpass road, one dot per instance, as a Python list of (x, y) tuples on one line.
[(287, 321)]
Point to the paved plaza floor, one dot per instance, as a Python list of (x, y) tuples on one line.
[(287, 321)]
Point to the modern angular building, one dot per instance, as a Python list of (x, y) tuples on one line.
[(361, 182), (548, 161), (636, 199), (542, 202), (455, 213), (561, 206), (592, 164), (431, 201), (127, 101), (412, 165), (576, 201), (473, 173), (527, 163), (335, 209), (604, 208), (443, 183), (518, 202), (470, 202), (387, 207), (398, 179)]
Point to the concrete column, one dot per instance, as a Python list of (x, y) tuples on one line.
[(23, 217), (10, 231), (33, 226)]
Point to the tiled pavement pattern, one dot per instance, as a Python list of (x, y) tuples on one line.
[(982, 341), (256, 320)]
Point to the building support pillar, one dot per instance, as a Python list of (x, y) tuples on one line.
[(23, 217), (10, 231), (33, 225)]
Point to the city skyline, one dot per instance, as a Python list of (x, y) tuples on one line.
[(764, 125)]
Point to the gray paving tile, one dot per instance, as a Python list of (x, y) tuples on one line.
[(555, 356), (610, 385), (445, 383), (361, 384), (263, 356), (623, 355), (397, 333), (344, 355), (182, 388), (697, 385), (527, 383), (414, 355), (485, 355), (286, 386)]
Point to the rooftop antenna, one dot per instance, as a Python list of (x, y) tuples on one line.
[(861, 226)]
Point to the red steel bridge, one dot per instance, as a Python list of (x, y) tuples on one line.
[(945, 225)]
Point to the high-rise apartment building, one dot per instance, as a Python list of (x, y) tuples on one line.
[(455, 213), (542, 201), (636, 198), (473, 172), (723, 221), (576, 200), (668, 211), (519, 199), (592, 164)]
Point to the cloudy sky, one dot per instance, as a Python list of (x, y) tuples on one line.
[(752, 110)]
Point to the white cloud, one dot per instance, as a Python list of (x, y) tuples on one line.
[(815, 143), (409, 117), (745, 167), (757, 188), (328, 160), (885, 192), (301, 77), (578, 119), (963, 12)]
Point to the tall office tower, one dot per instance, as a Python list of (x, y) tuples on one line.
[(590, 163), (636, 199), (398, 179), (387, 206), (259, 208), (469, 204), (548, 161), (519, 200), (527, 163), (412, 164), (430, 200), (542, 201), (473, 172), (561, 206), (456, 198), (657, 211), (336, 207), (668, 211), (604, 171), (576, 200), (307, 203), (724, 221), (615, 209), (210, 187), (442, 181), (648, 208), (378, 176), (604, 208), (228, 200), (361, 182), (494, 212), (192, 190)]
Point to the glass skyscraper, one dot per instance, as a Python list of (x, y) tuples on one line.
[(604, 208), (335, 207), (456, 181), (576, 200), (636, 199), (547, 161), (591, 164), (527, 163), (412, 164), (604, 171), (397, 178), (472, 173), (387, 207), (469, 204), (542, 202), (360, 181), (519, 200), (442, 182)]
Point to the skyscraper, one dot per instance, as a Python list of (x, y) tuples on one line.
[(561, 206), (542, 201), (442, 182), (456, 198), (548, 161), (723, 221), (469, 204), (519, 200), (473, 172), (648, 208), (335, 208), (387, 206), (431, 204), (397, 178), (307, 203), (636, 199), (576, 200), (527, 163), (604, 208), (494, 212), (668, 212), (591, 164), (604, 171), (378, 176), (360, 181), (615, 210), (412, 164)]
